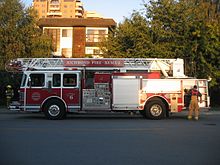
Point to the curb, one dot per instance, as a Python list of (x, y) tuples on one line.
[(4, 110)]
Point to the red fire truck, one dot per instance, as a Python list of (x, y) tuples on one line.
[(57, 86)]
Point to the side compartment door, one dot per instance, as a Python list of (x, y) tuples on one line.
[(71, 87), (126, 92), (203, 88)]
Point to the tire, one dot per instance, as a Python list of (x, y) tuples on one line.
[(155, 110), (54, 110)]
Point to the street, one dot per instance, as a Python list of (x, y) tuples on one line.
[(109, 139)]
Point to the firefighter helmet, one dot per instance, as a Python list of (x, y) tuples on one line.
[(195, 86), (8, 86)]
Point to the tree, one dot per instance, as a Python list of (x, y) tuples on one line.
[(169, 26), (129, 39), (204, 40), (19, 34), (19, 37), (173, 29), (37, 44), (10, 30)]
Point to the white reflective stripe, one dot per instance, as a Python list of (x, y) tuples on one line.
[(177, 104), (73, 107), (32, 108)]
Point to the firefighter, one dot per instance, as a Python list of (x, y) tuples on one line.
[(9, 94), (194, 106)]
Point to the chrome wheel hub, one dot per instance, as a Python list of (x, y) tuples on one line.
[(54, 110), (156, 110)]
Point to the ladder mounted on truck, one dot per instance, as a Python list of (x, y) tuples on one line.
[(169, 67)]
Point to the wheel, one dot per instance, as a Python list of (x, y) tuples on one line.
[(54, 109), (155, 109)]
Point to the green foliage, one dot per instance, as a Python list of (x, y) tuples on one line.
[(19, 34), (37, 43), (172, 29), (10, 30), (130, 39)]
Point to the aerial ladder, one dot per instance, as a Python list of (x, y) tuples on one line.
[(169, 67)]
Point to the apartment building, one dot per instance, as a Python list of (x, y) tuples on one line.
[(74, 31), (77, 37), (59, 8)]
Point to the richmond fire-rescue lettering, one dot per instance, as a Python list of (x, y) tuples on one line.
[(57, 86)]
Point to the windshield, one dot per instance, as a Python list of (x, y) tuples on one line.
[(24, 77)]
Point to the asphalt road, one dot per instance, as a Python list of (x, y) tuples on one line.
[(113, 139)]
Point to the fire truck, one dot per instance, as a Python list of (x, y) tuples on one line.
[(57, 86)]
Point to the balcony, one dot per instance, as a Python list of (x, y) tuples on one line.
[(79, 8), (54, 13), (54, 1), (79, 4), (78, 14), (54, 7), (95, 37)]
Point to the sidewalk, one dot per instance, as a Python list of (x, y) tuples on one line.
[(215, 109), (4, 109)]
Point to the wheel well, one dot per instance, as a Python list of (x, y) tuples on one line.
[(52, 99), (160, 99)]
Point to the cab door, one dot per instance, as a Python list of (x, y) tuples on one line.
[(71, 87), (35, 93)]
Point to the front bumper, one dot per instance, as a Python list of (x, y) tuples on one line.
[(15, 106)]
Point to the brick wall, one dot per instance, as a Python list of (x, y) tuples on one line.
[(79, 41)]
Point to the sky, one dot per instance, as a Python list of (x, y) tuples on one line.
[(116, 9)]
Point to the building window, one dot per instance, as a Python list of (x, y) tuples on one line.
[(67, 52), (66, 33), (93, 51), (96, 34), (97, 51), (55, 35), (54, 2)]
